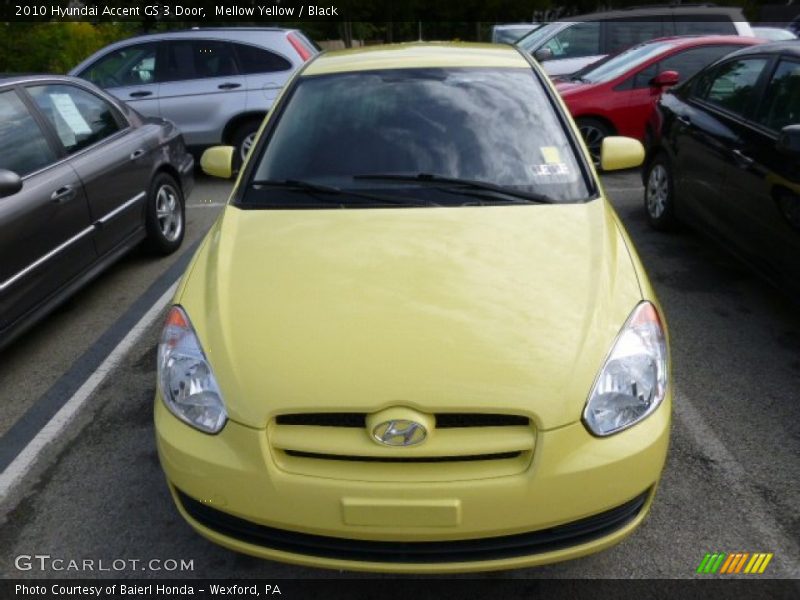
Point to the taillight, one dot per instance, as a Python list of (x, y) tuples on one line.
[(298, 46)]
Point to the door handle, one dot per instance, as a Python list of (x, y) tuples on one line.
[(137, 154), (684, 120), (229, 86), (140, 94), (63, 194), (742, 159)]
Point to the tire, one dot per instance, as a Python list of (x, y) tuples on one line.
[(242, 140), (593, 132), (165, 219), (659, 194)]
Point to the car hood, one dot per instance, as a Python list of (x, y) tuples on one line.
[(571, 88), (500, 309)]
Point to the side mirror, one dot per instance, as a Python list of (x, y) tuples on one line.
[(217, 161), (665, 79), (10, 183), (618, 153), (789, 140), (543, 54)]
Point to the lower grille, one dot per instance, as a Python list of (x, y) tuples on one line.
[(419, 459), (493, 548)]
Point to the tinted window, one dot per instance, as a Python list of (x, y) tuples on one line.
[(79, 117), (689, 62), (258, 60), (621, 33), (781, 105), (199, 59), (732, 85), (490, 125), (703, 25), (23, 147), (133, 65), (580, 39)]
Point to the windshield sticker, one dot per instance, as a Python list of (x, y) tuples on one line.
[(549, 170), (551, 155)]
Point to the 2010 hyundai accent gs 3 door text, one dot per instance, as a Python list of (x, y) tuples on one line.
[(418, 338)]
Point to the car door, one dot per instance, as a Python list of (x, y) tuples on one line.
[(265, 73), (130, 74), (202, 89), (45, 228), (706, 128), (113, 160), (762, 183)]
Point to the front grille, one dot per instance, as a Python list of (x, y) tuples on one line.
[(400, 459), (443, 420), (493, 548), (474, 446)]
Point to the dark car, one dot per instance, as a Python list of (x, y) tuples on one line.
[(83, 179), (727, 158)]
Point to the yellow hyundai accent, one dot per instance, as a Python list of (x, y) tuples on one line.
[(418, 338)]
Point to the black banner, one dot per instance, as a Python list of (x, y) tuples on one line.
[(381, 588)]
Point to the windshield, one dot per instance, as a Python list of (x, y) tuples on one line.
[(535, 38), (623, 62), (509, 35), (495, 126)]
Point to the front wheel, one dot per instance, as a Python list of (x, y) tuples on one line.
[(593, 132), (659, 195), (165, 217)]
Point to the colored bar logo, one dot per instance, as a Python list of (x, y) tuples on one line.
[(736, 563)]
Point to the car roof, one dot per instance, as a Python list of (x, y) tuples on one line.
[(672, 9), (417, 55), (788, 48), (15, 78), (681, 41)]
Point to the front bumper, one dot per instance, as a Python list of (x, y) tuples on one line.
[(581, 494)]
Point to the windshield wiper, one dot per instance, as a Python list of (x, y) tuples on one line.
[(471, 184), (297, 184)]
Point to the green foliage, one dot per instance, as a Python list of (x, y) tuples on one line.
[(55, 47)]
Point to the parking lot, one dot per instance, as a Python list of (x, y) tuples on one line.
[(97, 491)]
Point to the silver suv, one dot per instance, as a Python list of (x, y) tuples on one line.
[(216, 85), (564, 47)]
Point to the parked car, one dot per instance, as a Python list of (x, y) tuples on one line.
[(773, 34), (511, 32), (794, 26), (83, 179), (418, 304), (216, 85), (727, 158), (564, 47), (617, 95)]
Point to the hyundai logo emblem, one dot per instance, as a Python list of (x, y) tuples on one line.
[(399, 432)]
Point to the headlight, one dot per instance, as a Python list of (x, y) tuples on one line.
[(186, 380), (633, 380)]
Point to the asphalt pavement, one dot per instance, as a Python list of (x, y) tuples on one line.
[(96, 491)]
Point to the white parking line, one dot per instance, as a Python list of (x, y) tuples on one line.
[(734, 475), (207, 205), (17, 469)]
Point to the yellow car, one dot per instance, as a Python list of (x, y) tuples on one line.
[(418, 338)]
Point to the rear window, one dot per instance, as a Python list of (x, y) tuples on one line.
[(496, 126)]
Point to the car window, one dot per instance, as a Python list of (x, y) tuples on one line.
[(497, 126), (132, 65), (258, 60), (781, 104), (623, 62), (689, 62), (580, 39), (621, 33), (23, 146), (79, 117), (199, 59), (732, 85), (703, 25)]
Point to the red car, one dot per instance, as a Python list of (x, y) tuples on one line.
[(617, 95)]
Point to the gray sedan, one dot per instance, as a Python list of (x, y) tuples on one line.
[(83, 179)]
